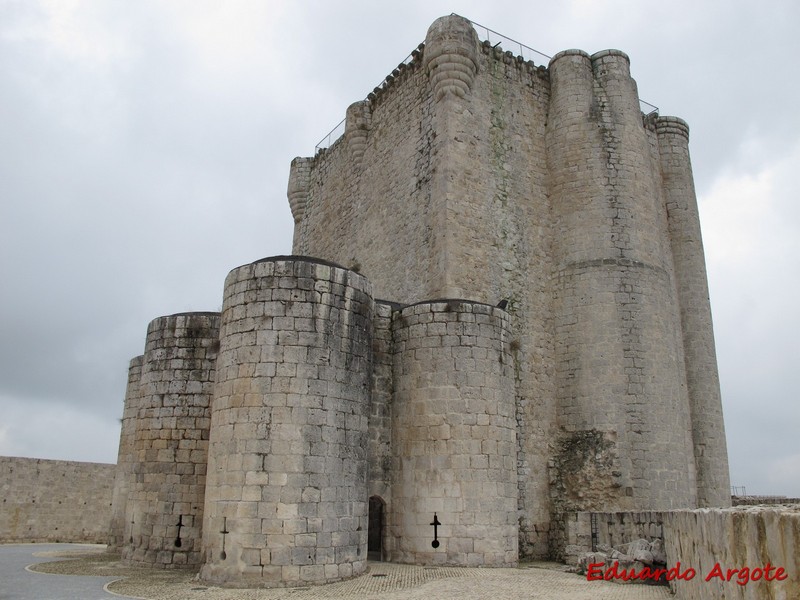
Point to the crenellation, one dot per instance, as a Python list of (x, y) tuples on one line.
[(398, 75)]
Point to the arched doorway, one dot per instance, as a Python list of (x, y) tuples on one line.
[(375, 530)]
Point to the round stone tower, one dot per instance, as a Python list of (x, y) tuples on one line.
[(702, 376), (454, 436), (451, 51), (621, 393), (125, 458), (286, 499), (171, 441)]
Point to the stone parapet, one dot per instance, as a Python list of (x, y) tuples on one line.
[(731, 553), (747, 540)]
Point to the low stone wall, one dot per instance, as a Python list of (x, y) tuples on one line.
[(54, 500), (755, 540), (756, 500), (611, 529)]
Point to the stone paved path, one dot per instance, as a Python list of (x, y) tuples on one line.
[(384, 580), (18, 583)]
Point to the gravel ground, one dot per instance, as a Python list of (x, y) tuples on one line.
[(383, 580)]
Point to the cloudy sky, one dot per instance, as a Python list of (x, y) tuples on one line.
[(145, 149)]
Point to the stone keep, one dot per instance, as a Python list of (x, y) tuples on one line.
[(506, 320)]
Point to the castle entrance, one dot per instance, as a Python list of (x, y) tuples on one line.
[(375, 530)]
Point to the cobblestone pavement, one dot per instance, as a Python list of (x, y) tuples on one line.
[(543, 581)]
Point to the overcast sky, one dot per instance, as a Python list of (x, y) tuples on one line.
[(145, 150)]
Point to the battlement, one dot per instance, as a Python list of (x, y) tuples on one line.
[(415, 60)]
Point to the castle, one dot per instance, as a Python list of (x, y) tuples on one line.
[(495, 315)]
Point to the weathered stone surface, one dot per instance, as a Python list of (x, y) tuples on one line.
[(54, 500), (124, 480), (713, 541), (544, 348), (164, 507), (287, 479), (629, 563), (453, 436), (547, 188)]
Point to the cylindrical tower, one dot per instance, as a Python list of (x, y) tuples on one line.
[(453, 436), (286, 501), (710, 449), (451, 51), (356, 130), (171, 440), (621, 389), (125, 458), (297, 193), (451, 61)]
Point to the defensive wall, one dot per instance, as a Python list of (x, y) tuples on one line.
[(55, 500)]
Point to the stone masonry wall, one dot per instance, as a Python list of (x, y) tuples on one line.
[(54, 500), (170, 446), (756, 500), (453, 436), (712, 541), (379, 451), (123, 481), (351, 214), (612, 529), (286, 499), (490, 189)]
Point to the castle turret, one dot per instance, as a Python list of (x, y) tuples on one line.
[(298, 187), (165, 504), (710, 450), (125, 459), (450, 58), (454, 436), (355, 130), (286, 498), (622, 401)]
